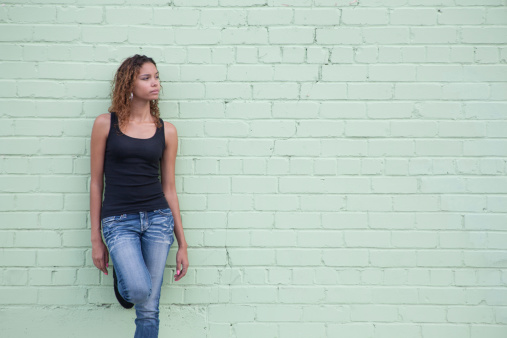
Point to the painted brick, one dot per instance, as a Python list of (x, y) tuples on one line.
[(411, 16), (331, 36), (317, 17), (263, 17), (342, 166), (222, 17), (355, 16)]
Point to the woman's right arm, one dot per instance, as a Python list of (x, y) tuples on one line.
[(100, 131)]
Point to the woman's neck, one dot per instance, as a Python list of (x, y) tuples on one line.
[(140, 111)]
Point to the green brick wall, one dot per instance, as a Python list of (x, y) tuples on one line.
[(341, 167)]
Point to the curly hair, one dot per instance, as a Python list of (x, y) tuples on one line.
[(123, 85)]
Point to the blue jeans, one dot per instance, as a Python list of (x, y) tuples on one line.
[(138, 245)]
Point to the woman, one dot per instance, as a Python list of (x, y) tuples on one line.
[(139, 213)]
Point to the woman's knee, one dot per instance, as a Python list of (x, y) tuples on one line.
[(138, 294)]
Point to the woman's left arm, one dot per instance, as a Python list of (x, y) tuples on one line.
[(169, 187)]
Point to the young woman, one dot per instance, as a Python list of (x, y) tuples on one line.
[(130, 147)]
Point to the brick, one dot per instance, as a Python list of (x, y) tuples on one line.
[(15, 277), (484, 73), (15, 258), (254, 185), (394, 185), (298, 257), (72, 14), (357, 330), (327, 91), (344, 35), (368, 239), (18, 295), (215, 17), (486, 185), (345, 257), (22, 183), (322, 203), (493, 331), (32, 14), (271, 17), (62, 296), (19, 70), (297, 294), (464, 91), (391, 73), (426, 314), (196, 36), (420, 91), (295, 73), (484, 221), (302, 330), (373, 16), (250, 35), (344, 73), (413, 17), (58, 33), (495, 16), (484, 35), (262, 257), (224, 91), (296, 3), (230, 313), (386, 35), (393, 258), (477, 314), (366, 54), (11, 52), (444, 73), (203, 73), (37, 239), (317, 17), (434, 35), (249, 73), (407, 330), (67, 257), (391, 220), (457, 16), (485, 54), (18, 33), (253, 295), (130, 15), (373, 312), (438, 184)]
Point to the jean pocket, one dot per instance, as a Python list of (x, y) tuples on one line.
[(164, 212), (110, 220)]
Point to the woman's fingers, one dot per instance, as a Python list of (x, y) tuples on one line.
[(100, 264), (100, 256), (180, 273)]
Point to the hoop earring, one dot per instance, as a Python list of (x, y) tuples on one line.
[(131, 96)]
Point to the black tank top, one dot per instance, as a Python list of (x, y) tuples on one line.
[(131, 169)]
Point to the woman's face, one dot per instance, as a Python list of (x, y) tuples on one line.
[(147, 83)]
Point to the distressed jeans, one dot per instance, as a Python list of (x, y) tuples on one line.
[(138, 245)]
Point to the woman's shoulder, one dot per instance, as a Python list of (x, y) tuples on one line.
[(169, 128), (102, 123), (170, 133)]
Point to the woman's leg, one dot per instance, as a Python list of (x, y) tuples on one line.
[(156, 240), (123, 239)]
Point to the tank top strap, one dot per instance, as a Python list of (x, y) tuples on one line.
[(161, 130), (114, 123)]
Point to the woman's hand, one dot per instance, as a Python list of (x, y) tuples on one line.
[(181, 261), (100, 256)]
